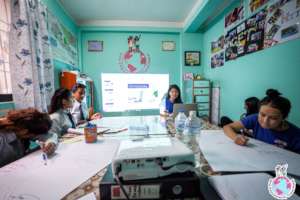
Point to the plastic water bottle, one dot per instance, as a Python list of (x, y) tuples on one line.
[(192, 124), (191, 134), (180, 121)]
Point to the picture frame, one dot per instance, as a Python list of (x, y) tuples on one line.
[(168, 46), (192, 58), (95, 45)]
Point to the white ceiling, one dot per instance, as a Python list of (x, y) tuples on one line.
[(148, 13)]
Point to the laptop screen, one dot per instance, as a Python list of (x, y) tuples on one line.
[(186, 108)]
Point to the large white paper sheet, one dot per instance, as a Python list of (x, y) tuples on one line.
[(243, 186), (223, 155), (30, 179)]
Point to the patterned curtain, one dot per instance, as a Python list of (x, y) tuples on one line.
[(30, 55)]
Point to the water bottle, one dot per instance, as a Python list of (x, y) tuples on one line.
[(192, 124), (180, 122), (191, 134)]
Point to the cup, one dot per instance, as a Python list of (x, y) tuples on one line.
[(90, 133)]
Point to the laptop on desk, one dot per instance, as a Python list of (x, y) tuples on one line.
[(186, 108)]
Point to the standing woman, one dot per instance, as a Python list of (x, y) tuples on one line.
[(62, 119), (173, 96), (270, 125), (18, 128)]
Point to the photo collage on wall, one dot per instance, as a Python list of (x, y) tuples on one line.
[(217, 52), (270, 22), (283, 22), (247, 37)]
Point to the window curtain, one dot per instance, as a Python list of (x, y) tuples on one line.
[(30, 55)]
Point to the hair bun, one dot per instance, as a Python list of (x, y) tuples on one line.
[(272, 93)]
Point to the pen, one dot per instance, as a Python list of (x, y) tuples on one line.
[(44, 155), (45, 158), (244, 135)]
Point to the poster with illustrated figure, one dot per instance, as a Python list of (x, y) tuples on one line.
[(217, 60), (255, 32), (218, 45), (234, 17), (254, 5), (283, 22), (217, 52), (231, 45), (63, 42)]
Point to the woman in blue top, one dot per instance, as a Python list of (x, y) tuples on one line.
[(269, 125), (173, 96)]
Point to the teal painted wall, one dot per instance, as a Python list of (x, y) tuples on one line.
[(4, 106), (115, 43), (277, 67), (54, 7)]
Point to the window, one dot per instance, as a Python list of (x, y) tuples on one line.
[(5, 82)]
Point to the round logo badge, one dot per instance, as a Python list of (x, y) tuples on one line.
[(134, 60), (281, 186)]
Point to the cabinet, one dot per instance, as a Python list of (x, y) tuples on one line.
[(202, 97), (69, 78)]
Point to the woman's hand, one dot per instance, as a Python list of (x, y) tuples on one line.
[(96, 116), (231, 131), (49, 148), (241, 140)]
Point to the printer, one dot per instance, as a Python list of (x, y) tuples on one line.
[(150, 158)]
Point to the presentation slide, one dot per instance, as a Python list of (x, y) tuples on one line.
[(121, 92)]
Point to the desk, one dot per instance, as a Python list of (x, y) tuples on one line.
[(92, 185), (74, 163)]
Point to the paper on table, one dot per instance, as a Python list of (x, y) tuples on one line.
[(240, 186), (72, 165), (225, 156)]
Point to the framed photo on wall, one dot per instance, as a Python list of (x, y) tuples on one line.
[(168, 46), (192, 58), (95, 45)]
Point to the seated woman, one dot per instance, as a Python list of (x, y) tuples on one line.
[(173, 96), (17, 128), (79, 110), (62, 119), (269, 125), (251, 107)]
